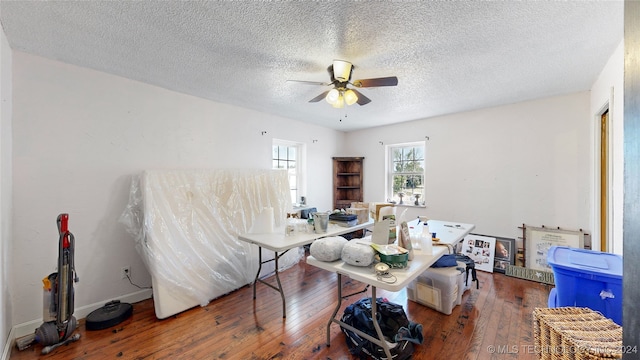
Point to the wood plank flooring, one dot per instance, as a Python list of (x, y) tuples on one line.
[(493, 322)]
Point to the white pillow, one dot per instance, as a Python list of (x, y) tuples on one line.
[(357, 254), (328, 248)]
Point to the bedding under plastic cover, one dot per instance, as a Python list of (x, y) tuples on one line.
[(186, 224)]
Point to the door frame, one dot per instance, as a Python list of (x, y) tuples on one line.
[(595, 240)]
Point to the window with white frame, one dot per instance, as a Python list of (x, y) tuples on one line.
[(290, 156), (405, 171)]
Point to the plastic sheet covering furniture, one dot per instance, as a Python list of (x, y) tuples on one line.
[(185, 224)]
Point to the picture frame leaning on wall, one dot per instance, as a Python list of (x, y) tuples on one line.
[(505, 254), (540, 239), (481, 250)]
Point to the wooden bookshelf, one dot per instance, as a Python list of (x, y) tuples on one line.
[(347, 181)]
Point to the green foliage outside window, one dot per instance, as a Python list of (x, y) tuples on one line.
[(408, 172)]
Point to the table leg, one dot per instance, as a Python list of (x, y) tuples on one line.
[(284, 306), (374, 311), (276, 257), (255, 282), (333, 316)]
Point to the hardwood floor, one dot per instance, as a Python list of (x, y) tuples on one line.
[(496, 316)]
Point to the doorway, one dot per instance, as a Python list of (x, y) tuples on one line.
[(605, 170)]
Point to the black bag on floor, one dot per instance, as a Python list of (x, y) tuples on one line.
[(399, 333)]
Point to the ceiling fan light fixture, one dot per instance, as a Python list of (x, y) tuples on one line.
[(350, 97), (333, 96), (342, 70), (339, 104)]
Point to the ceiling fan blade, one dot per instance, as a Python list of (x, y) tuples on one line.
[(319, 97), (309, 82), (362, 100), (383, 81)]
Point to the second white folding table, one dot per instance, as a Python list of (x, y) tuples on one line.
[(279, 243)]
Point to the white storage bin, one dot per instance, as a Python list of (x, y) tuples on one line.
[(439, 288)]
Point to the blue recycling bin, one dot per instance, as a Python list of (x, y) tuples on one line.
[(587, 278)]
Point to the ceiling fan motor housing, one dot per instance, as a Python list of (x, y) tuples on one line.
[(342, 71)]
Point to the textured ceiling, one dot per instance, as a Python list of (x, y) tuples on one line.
[(449, 56)]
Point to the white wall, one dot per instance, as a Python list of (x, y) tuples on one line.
[(80, 134), (608, 90), (497, 168), (6, 266)]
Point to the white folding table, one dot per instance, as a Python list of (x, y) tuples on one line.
[(421, 262), (450, 233), (279, 243)]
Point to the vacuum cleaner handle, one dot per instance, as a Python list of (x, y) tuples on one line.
[(63, 223)]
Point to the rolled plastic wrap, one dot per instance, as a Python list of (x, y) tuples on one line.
[(186, 224)]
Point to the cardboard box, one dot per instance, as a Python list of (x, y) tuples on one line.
[(361, 213), (374, 208)]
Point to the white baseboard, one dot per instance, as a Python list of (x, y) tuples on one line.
[(29, 327)]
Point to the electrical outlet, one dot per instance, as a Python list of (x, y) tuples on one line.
[(125, 272)]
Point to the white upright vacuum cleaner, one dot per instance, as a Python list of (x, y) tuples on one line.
[(59, 322)]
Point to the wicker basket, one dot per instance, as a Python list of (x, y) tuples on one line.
[(571, 333)]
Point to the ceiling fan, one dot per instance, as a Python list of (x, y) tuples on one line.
[(340, 72)]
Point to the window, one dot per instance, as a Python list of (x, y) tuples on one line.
[(290, 155), (405, 170)]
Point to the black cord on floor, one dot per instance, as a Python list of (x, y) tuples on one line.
[(138, 286)]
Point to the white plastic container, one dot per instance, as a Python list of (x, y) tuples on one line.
[(438, 288)]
